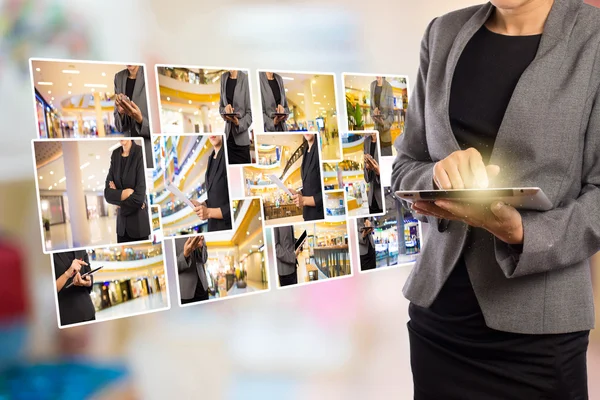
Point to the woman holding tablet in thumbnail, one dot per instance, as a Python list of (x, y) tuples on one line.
[(274, 102), (131, 107), (236, 112), (126, 188), (216, 209), (382, 112), (310, 197), (501, 299), (74, 301)]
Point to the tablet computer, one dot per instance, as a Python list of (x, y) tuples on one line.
[(231, 115), (280, 114), (525, 198), (300, 240)]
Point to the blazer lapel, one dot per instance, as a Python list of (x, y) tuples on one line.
[(138, 88), (540, 73), (214, 164), (238, 97), (463, 37)]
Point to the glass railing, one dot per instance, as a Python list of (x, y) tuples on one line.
[(237, 209), (332, 261), (336, 211), (351, 138), (299, 152), (128, 255), (188, 76)]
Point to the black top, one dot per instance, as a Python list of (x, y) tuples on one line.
[(217, 191), (311, 183), (129, 173), (276, 90), (485, 77), (377, 96), (74, 303), (129, 88), (230, 89), (372, 149)]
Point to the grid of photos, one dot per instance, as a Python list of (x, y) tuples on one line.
[(389, 240), (301, 101), (221, 265), (111, 190), (378, 103), (191, 184), (288, 178), (358, 174), (208, 100)]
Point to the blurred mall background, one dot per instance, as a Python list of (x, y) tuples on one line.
[(342, 339), (69, 220)]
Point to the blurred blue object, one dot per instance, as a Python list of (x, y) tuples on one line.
[(69, 380), (14, 335)]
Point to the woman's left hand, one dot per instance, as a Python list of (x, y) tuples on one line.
[(298, 199), (501, 220), (78, 280)]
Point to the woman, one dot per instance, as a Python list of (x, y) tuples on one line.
[(310, 198), (501, 299), (126, 188), (372, 173), (274, 101), (382, 112), (131, 107), (235, 99), (74, 301), (192, 255), (216, 208), (366, 245)]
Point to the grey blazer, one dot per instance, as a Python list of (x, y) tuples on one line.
[(268, 102), (127, 125), (371, 177), (386, 108), (241, 105), (190, 269), (363, 242), (284, 249), (550, 137)]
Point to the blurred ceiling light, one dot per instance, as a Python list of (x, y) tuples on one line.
[(70, 71), (41, 177), (45, 83), (189, 102), (61, 180), (314, 81), (38, 70), (51, 172), (87, 164), (300, 94), (91, 177), (94, 85), (50, 188), (168, 98), (70, 84), (317, 103), (104, 74), (97, 157), (93, 90), (287, 78), (53, 98), (69, 92), (180, 109)]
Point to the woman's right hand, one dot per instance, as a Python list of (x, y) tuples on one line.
[(190, 245), (75, 267), (126, 193), (464, 169)]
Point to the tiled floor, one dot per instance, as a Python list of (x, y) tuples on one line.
[(141, 304), (102, 232), (331, 151)]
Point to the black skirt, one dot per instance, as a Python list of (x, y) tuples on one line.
[(237, 154), (455, 355), (368, 261)]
